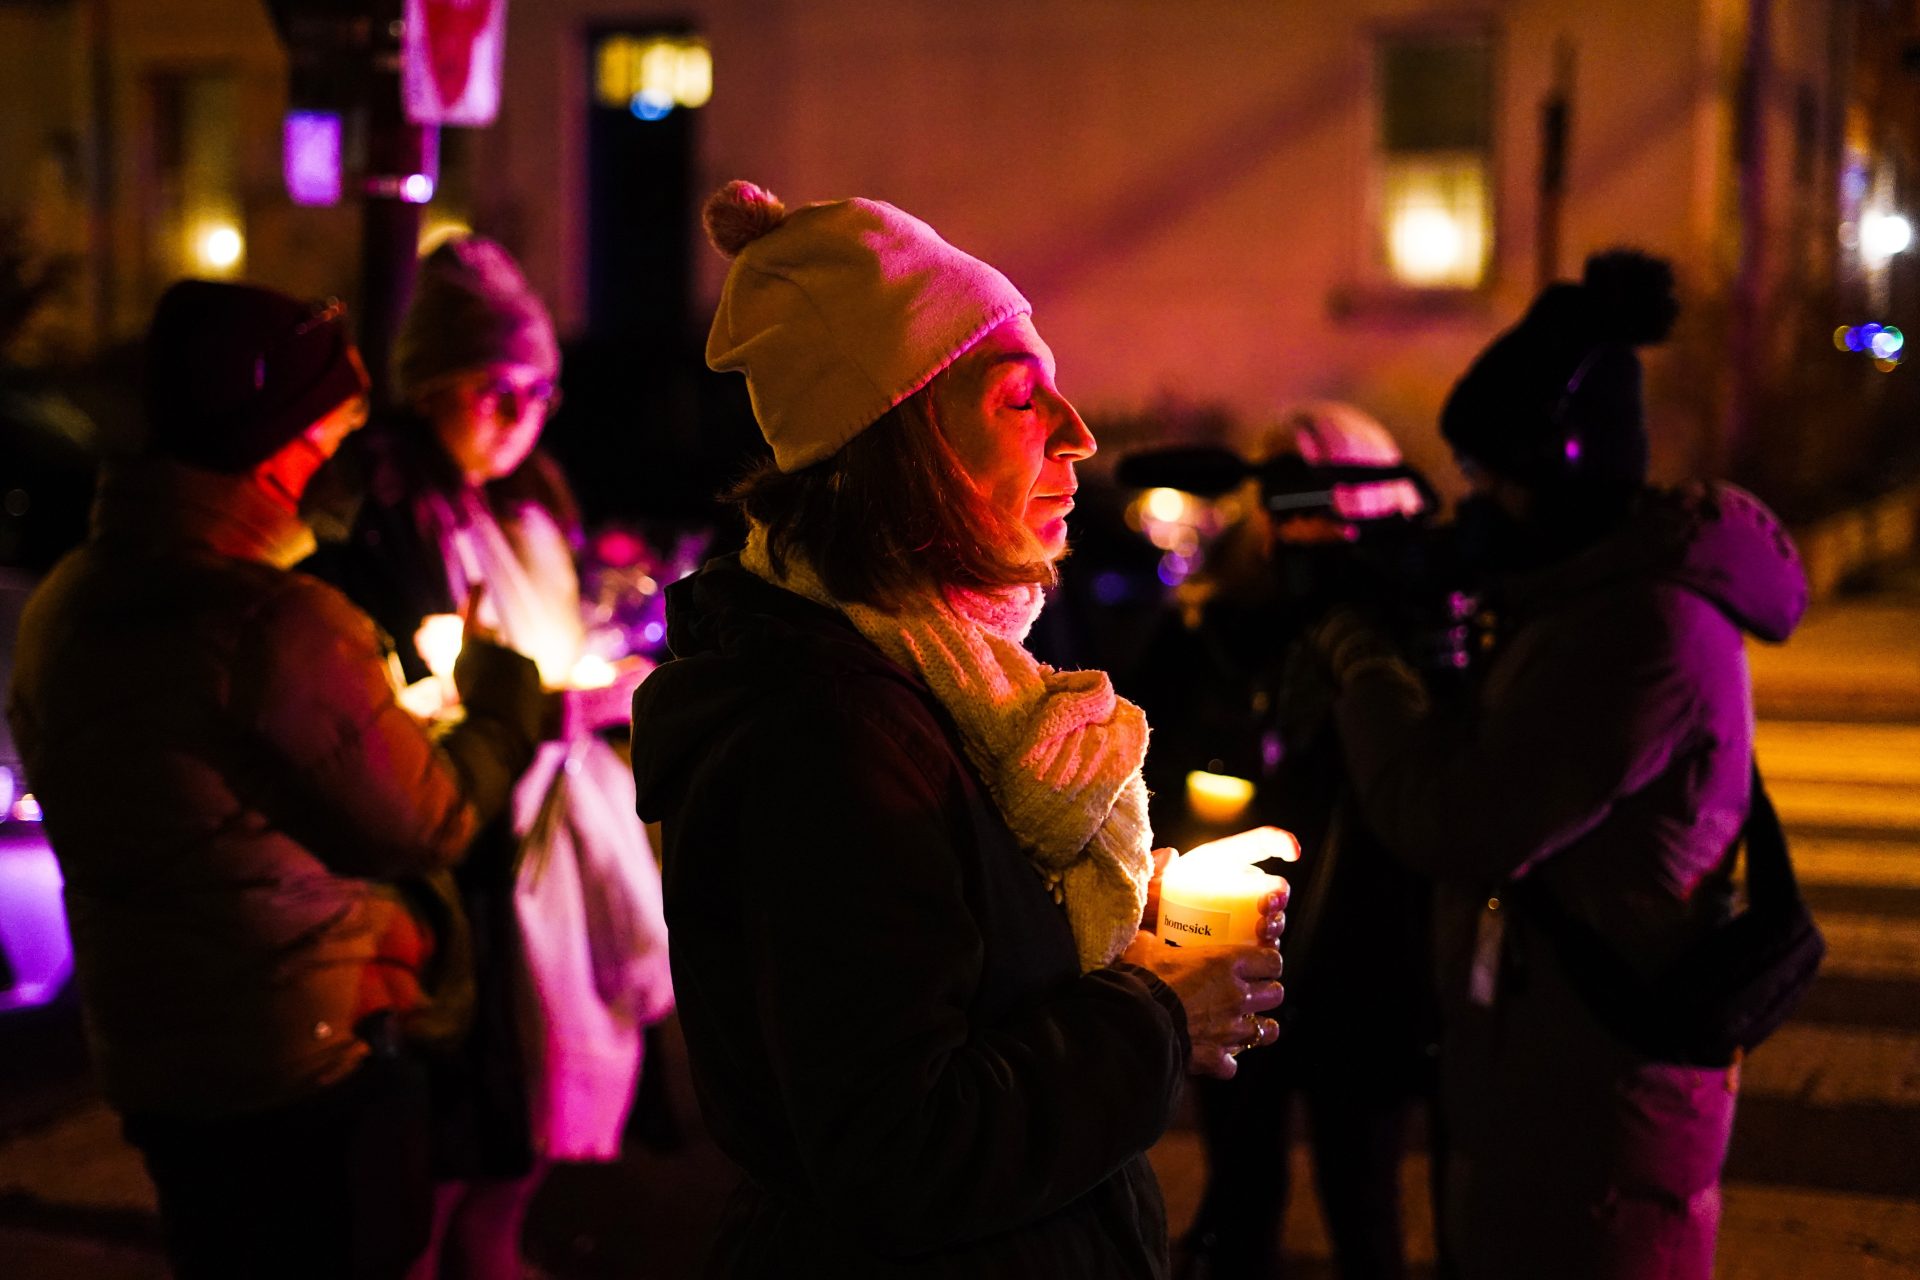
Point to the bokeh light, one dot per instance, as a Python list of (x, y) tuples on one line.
[(1884, 234), (1429, 245), (219, 247)]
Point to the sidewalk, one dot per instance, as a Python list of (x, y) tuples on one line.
[(1854, 658)]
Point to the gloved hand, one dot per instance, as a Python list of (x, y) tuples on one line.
[(499, 683)]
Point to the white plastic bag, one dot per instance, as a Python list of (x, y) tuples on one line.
[(593, 947)]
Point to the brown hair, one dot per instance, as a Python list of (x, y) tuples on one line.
[(892, 512)]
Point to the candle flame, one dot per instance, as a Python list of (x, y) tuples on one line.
[(592, 672), (1249, 847), (438, 640)]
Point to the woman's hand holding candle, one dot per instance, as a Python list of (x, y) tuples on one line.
[(1210, 896), (1223, 989)]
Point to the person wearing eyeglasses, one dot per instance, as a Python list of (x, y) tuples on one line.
[(254, 833), (458, 498)]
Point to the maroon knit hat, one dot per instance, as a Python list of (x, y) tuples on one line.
[(235, 371), (471, 307)]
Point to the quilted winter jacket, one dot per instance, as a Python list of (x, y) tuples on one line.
[(237, 802)]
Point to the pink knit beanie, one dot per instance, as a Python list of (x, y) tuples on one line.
[(471, 307), (836, 312)]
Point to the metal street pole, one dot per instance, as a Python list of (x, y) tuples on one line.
[(103, 296), (346, 60), (1746, 325), (1555, 138), (401, 170)]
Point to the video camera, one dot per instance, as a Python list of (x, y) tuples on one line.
[(1288, 482), (1418, 578)]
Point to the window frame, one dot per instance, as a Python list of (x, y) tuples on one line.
[(1381, 281)]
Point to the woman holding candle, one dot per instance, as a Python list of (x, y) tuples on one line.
[(905, 862), (463, 507)]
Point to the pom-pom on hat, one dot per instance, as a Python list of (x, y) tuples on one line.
[(471, 308), (234, 372), (836, 312), (1556, 398)]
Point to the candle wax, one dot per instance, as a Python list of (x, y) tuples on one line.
[(1211, 896)]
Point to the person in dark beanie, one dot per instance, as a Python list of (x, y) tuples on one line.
[(459, 495), (253, 832), (1552, 409), (1600, 773)]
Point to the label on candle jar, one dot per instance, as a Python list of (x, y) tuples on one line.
[(1210, 897), (1180, 922)]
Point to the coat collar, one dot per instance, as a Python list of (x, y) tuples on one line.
[(159, 504)]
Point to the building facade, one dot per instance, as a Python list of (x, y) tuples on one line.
[(1235, 203)]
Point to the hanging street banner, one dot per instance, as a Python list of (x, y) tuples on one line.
[(452, 56)]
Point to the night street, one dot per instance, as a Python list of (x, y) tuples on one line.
[(1822, 1184), (861, 480)]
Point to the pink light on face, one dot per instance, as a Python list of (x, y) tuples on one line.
[(310, 157)]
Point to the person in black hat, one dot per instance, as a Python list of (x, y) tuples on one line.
[(1600, 773), (253, 832)]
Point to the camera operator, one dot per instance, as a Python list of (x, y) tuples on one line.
[(1605, 762), (1225, 697)]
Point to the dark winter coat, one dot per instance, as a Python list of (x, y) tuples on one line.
[(1228, 695), (233, 794), (887, 1025), (1607, 760)]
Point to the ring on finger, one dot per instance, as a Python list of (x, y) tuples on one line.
[(1252, 1039)]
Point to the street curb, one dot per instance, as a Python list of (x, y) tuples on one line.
[(1836, 548)]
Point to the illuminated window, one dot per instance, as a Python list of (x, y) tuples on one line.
[(651, 75), (1433, 175)]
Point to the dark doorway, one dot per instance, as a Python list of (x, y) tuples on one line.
[(647, 433), (640, 198)]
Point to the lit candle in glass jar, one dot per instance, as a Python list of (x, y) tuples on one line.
[(1217, 797), (1210, 896)]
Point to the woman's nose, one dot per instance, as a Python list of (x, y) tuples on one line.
[(1070, 441)]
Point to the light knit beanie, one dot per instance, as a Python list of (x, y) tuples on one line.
[(836, 312), (471, 307)]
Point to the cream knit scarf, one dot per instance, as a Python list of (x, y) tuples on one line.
[(1059, 751)]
